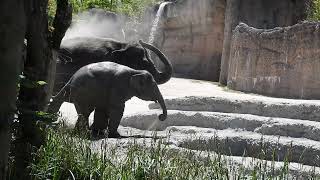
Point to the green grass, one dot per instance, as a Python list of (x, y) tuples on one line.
[(66, 156)]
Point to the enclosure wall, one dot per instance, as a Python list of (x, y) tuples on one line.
[(280, 62)]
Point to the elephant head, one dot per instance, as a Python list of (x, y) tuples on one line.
[(145, 87), (137, 57)]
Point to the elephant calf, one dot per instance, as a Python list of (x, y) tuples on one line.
[(105, 87)]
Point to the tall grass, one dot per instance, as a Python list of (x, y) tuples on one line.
[(66, 156)]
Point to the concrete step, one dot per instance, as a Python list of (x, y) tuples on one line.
[(244, 144), (235, 163), (216, 120), (269, 107), (248, 144)]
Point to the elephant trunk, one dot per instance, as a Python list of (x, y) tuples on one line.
[(160, 99), (159, 77)]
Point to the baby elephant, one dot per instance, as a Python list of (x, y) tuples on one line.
[(105, 87)]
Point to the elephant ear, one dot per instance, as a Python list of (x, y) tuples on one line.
[(138, 82)]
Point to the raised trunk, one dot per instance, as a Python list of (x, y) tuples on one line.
[(12, 31), (160, 77), (160, 99)]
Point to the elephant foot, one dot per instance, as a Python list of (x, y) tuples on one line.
[(101, 134), (114, 135), (98, 134)]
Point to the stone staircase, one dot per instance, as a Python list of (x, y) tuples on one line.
[(288, 129)]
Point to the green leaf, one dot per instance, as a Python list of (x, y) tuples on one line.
[(32, 84), (45, 117), (22, 76), (41, 83)]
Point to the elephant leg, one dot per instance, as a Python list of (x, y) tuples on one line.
[(100, 122), (83, 111), (116, 114)]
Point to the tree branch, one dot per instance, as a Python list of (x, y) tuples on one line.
[(61, 22)]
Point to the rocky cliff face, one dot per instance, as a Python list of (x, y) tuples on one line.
[(281, 62), (259, 14), (192, 37), (196, 35)]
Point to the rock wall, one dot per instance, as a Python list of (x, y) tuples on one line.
[(192, 37), (280, 62), (259, 14)]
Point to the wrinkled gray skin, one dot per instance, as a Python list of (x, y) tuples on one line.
[(105, 87), (77, 52)]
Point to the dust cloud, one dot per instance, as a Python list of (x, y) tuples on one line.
[(97, 23), (101, 23)]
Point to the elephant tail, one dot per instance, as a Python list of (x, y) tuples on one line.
[(59, 98), (63, 90)]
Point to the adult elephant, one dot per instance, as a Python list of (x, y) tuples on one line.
[(77, 52)]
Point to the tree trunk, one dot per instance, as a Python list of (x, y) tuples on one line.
[(40, 66), (41, 51), (12, 31)]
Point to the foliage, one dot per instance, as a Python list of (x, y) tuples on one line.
[(69, 156), (314, 13), (23, 81), (38, 115), (134, 7), (127, 7)]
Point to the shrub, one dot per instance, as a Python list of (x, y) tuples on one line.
[(314, 13)]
